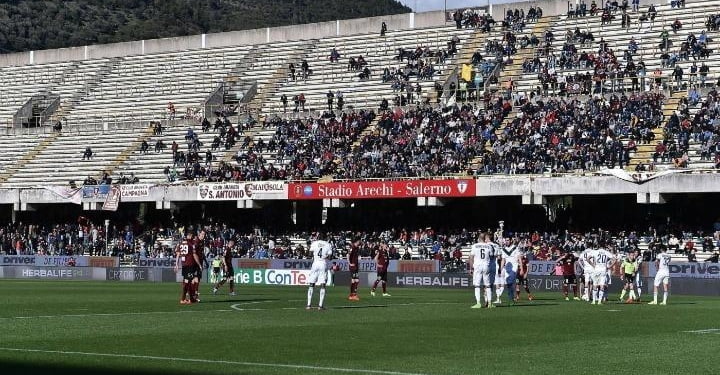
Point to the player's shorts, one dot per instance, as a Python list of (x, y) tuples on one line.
[(638, 280), (581, 279), (522, 280), (382, 274), (354, 273), (318, 273), (230, 273), (569, 279), (662, 278), (216, 270), (188, 273), (481, 277), (510, 277), (198, 272), (600, 278), (588, 274), (629, 278)]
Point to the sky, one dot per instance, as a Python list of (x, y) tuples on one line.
[(427, 5)]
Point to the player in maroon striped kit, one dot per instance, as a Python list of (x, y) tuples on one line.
[(353, 258), (185, 254), (382, 260), (228, 270), (522, 278), (567, 263), (200, 251)]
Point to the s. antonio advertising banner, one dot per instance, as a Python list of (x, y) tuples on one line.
[(242, 191), (383, 189)]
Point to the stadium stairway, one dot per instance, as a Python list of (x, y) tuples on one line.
[(280, 74), (10, 164), (645, 152), (149, 167), (474, 43), (92, 81), (128, 151), (379, 52), (513, 72)]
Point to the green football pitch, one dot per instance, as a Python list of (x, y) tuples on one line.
[(139, 328)]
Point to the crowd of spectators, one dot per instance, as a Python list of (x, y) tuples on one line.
[(130, 242), (515, 19), (565, 135), (702, 127), (424, 142)]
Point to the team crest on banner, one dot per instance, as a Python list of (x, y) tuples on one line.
[(112, 201), (462, 186), (203, 191)]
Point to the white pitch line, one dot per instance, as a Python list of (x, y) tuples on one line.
[(110, 314), (234, 307), (701, 331), (212, 361)]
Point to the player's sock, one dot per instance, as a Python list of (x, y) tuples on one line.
[(595, 295), (499, 291), (477, 295), (601, 295), (184, 290), (565, 290), (232, 286), (488, 295), (655, 297), (310, 293), (375, 285), (322, 297), (632, 294), (574, 289), (585, 292), (639, 292), (622, 294), (665, 294), (384, 286)]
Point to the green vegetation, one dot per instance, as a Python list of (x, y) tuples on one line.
[(144, 330), (34, 24)]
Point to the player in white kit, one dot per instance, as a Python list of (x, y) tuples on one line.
[(603, 261), (588, 269), (638, 277), (481, 254), (511, 254), (662, 264), (321, 251), (500, 273)]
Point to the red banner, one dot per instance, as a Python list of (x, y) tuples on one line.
[(383, 189)]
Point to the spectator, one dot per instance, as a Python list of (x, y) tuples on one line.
[(291, 69), (171, 111), (87, 155), (284, 100)]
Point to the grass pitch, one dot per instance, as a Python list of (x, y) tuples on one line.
[(114, 328)]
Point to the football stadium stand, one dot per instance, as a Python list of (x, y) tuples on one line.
[(523, 93)]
